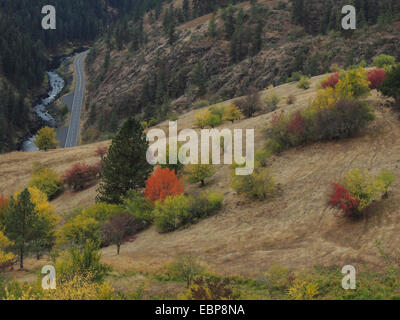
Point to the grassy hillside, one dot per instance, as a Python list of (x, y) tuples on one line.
[(296, 230)]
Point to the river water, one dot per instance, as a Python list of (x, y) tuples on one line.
[(57, 84)]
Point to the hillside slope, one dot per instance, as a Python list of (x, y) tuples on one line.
[(297, 229), (158, 78)]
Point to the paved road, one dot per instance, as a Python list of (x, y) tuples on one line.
[(75, 118)]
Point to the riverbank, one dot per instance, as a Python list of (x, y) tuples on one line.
[(49, 107)]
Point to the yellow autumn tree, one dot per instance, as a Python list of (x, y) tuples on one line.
[(232, 113), (46, 139), (5, 256)]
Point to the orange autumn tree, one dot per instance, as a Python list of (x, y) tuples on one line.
[(163, 183)]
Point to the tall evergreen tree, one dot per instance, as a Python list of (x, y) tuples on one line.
[(125, 166), (24, 225)]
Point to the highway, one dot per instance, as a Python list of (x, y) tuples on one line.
[(75, 117)]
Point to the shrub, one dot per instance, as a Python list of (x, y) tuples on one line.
[(172, 213), (46, 180), (296, 76), (6, 258), (304, 83), (80, 229), (204, 206), (376, 77), (87, 224), (278, 280), (204, 288), (199, 173), (251, 103), (360, 190), (218, 110), (184, 268), (139, 206), (202, 118), (384, 61), (330, 81), (354, 84), (261, 157), (232, 113), (163, 183), (291, 99), (82, 261), (80, 176), (213, 120), (272, 101), (302, 290), (259, 185), (342, 199), (342, 120)]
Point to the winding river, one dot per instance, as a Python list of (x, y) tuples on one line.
[(57, 84)]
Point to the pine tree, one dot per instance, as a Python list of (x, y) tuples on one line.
[(199, 78), (212, 27), (24, 225), (125, 166), (186, 9)]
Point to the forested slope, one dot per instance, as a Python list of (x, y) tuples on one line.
[(188, 51)]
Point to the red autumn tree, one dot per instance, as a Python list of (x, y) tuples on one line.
[(331, 81), (80, 175), (163, 183), (342, 199), (376, 77)]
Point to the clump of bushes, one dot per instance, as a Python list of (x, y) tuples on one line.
[(177, 211), (259, 185), (184, 268), (250, 104), (304, 83), (384, 61), (330, 81), (206, 118), (81, 175), (335, 113), (296, 76), (291, 99), (376, 77), (46, 180), (359, 190), (199, 173), (271, 101)]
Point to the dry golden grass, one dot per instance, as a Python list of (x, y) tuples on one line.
[(16, 168), (297, 229)]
